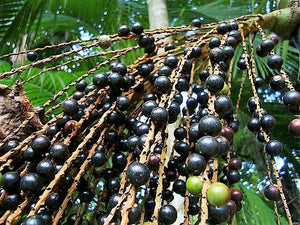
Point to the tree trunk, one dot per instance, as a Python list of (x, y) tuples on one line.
[(158, 14), (158, 18)]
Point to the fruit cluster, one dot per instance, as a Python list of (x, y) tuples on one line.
[(140, 137)]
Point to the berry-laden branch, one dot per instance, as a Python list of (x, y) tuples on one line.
[(112, 136)]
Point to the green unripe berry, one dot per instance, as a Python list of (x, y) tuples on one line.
[(218, 194), (194, 185)]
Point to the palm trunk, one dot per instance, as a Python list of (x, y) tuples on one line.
[(158, 18), (158, 14)]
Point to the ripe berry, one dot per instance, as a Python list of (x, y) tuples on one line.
[(274, 147), (214, 83), (294, 127), (207, 146), (46, 168), (146, 41), (162, 84), (223, 105), (11, 181), (123, 103), (194, 185), (159, 116), (138, 174), (227, 132), (291, 99), (218, 194), (123, 31), (89, 88), (210, 125), (149, 205), (258, 82), (164, 71), (197, 88), (222, 28), (11, 144), (40, 144), (99, 158), (267, 45), (150, 96), (119, 161), (203, 75), (59, 152), (196, 164), (218, 215), (167, 195), (236, 195), (236, 34), (167, 214), (275, 62), (241, 64), (233, 176), (31, 182), (251, 105), (194, 210), (134, 215), (171, 61), (70, 107), (272, 193), (81, 85), (169, 46), (196, 23), (34, 220), (253, 125), (224, 145), (137, 28), (182, 84), (216, 54), (214, 42), (180, 133), (260, 52), (32, 56), (191, 103), (53, 201), (277, 83), (233, 25), (228, 52), (11, 201), (78, 95), (100, 80), (115, 80), (268, 122), (86, 196), (179, 187), (194, 132), (231, 41), (195, 53), (234, 164)]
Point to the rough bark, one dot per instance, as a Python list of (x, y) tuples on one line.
[(15, 107)]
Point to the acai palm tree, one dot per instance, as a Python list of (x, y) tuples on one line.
[(88, 95)]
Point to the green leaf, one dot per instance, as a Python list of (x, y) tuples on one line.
[(256, 210)]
